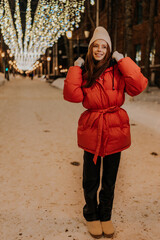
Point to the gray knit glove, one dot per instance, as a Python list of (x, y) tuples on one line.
[(79, 62), (117, 56)]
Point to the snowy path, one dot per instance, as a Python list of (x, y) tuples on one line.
[(146, 113), (41, 192)]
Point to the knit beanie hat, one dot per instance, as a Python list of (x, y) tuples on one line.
[(101, 33)]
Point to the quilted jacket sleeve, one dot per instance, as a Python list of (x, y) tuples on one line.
[(72, 91), (135, 82)]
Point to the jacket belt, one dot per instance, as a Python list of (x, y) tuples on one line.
[(100, 126)]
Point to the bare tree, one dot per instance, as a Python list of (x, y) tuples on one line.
[(128, 27), (145, 8), (90, 16), (149, 38), (66, 48), (112, 18), (109, 16)]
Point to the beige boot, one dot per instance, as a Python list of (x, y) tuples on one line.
[(95, 228), (107, 228)]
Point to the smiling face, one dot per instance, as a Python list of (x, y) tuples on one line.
[(99, 49)]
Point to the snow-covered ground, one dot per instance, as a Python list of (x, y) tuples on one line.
[(41, 191)]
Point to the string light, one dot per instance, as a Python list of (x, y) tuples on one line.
[(18, 24), (28, 25), (52, 19), (92, 2), (7, 27)]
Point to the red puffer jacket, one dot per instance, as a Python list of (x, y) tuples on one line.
[(104, 128)]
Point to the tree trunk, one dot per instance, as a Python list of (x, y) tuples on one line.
[(112, 15), (145, 9), (109, 16), (66, 48), (128, 28), (149, 39), (89, 15), (115, 15)]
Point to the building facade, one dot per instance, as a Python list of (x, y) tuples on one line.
[(112, 17)]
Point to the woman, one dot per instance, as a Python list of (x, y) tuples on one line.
[(103, 129)]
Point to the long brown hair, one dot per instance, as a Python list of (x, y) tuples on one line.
[(93, 69)]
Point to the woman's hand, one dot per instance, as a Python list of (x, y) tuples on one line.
[(117, 56), (79, 62)]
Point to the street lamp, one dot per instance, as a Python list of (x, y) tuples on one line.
[(69, 36), (48, 65), (2, 54), (55, 69), (10, 65), (40, 66), (86, 33)]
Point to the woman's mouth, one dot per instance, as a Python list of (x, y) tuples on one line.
[(99, 55)]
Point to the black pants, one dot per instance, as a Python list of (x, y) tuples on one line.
[(91, 180)]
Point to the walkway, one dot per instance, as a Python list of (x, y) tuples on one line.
[(41, 196)]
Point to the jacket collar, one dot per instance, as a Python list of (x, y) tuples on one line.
[(110, 68)]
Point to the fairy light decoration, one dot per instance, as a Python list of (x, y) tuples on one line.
[(52, 19), (92, 2)]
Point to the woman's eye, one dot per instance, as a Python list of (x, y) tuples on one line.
[(96, 46)]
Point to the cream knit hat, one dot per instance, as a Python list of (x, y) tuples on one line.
[(101, 33)]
